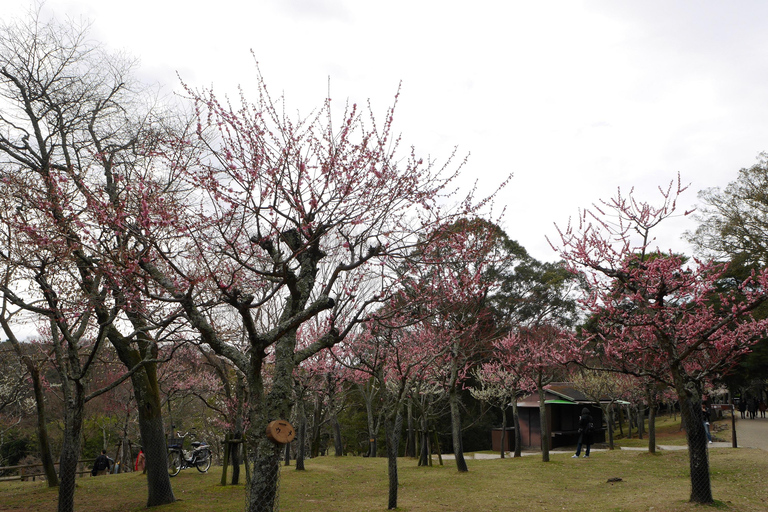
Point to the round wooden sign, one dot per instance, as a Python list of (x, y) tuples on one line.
[(280, 431)]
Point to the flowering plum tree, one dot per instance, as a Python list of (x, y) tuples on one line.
[(606, 388), (395, 354), (292, 219), (657, 316), (540, 353), (449, 285), (231, 406), (76, 139), (323, 377), (500, 384)]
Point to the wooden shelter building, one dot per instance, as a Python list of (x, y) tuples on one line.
[(563, 404)]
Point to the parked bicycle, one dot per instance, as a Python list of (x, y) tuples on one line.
[(179, 458)]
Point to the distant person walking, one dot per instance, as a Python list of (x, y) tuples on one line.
[(101, 465), (761, 407), (705, 416), (752, 408), (742, 407), (586, 427)]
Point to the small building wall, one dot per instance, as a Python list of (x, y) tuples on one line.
[(563, 407), (509, 443), (530, 427), (563, 421)]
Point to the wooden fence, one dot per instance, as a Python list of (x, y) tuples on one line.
[(26, 471)]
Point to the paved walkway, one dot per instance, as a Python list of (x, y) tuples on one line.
[(749, 434), (752, 433)]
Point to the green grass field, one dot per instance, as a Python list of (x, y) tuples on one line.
[(648, 482)]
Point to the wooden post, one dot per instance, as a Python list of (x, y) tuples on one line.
[(226, 460), (733, 427)]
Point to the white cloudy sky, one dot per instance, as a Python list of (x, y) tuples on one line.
[(576, 98)]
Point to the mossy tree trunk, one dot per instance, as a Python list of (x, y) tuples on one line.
[(138, 356)]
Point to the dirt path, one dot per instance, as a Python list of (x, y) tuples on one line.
[(752, 433)]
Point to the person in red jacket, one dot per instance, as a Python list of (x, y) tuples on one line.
[(140, 461)]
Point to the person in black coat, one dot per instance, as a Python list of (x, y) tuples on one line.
[(586, 426), (101, 465)]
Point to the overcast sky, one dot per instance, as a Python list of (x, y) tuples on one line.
[(574, 98)]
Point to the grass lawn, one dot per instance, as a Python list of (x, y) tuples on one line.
[(649, 482)]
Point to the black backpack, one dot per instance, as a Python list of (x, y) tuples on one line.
[(100, 464)]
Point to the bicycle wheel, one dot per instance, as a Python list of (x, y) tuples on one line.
[(203, 461), (174, 462)]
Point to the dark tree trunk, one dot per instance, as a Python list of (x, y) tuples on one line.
[(373, 427), (338, 444), (621, 421), (503, 431), (424, 458), (458, 448), (651, 422), (698, 457), (317, 421), (518, 434), (42, 428), (147, 392), (453, 401), (262, 489), (234, 456), (302, 444), (126, 454), (437, 447), (544, 425), (154, 445), (70, 448), (418, 444), (239, 449), (410, 445), (609, 416), (393, 429)]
